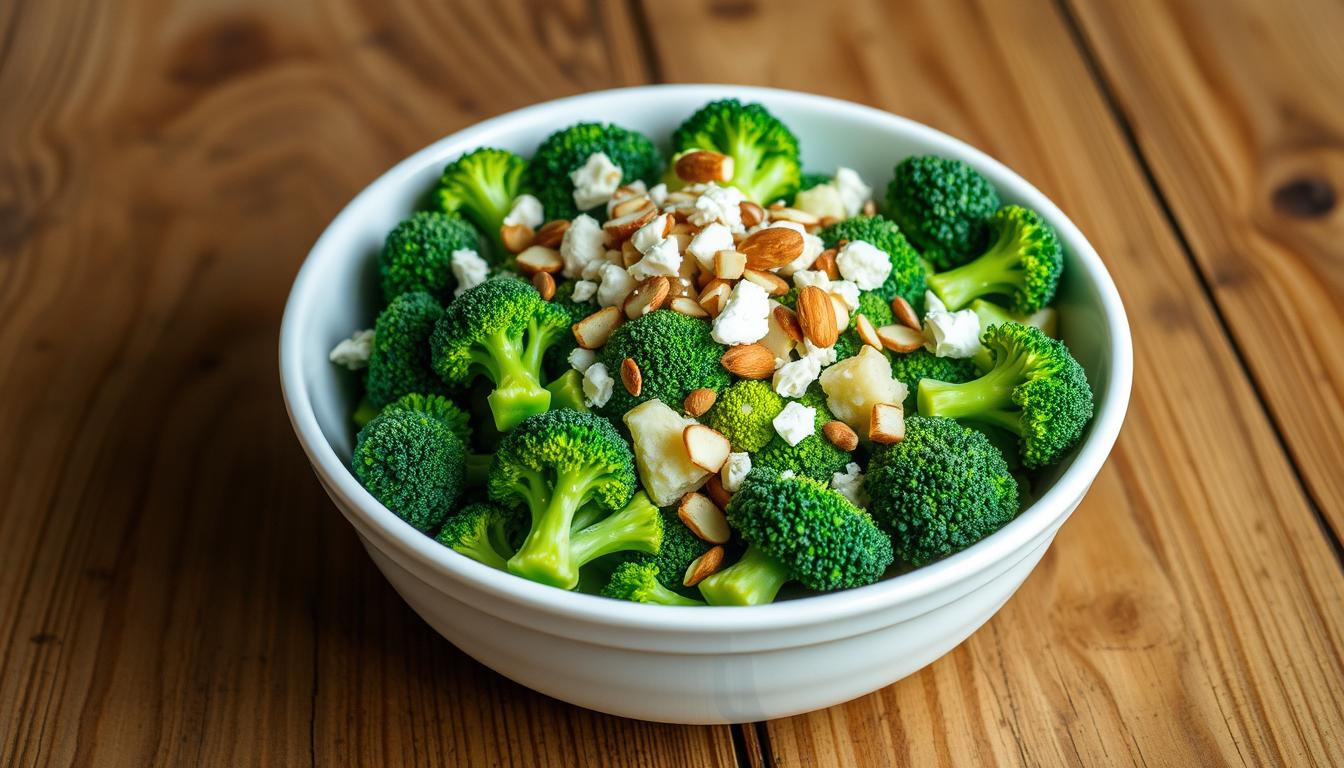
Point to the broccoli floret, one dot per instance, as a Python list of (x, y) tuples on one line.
[(639, 583), (680, 548), (439, 407), (796, 529), (990, 313), (482, 532), (412, 463), (1023, 263), (567, 391), (556, 361), (914, 367), (907, 278), (555, 463), (499, 329), (399, 362), (675, 354), (764, 150), (810, 180), (814, 456), (943, 206), (743, 414), (940, 490), (567, 150), (1036, 390), (418, 254)]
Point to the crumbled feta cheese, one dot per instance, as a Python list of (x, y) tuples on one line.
[(713, 238), (787, 474), (597, 385), (812, 247), (745, 318), (353, 353), (735, 470), (932, 303), (719, 204), (582, 245), (793, 378), (848, 292), (649, 235), (526, 210), (584, 290), (850, 485), (853, 192), (823, 355), (661, 259), (615, 286), (952, 334), (594, 181), (581, 359), (864, 264), (658, 194), (469, 269), (795, 422), (814, 277), (822, 201)]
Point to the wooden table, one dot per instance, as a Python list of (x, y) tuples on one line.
[(175, 589)]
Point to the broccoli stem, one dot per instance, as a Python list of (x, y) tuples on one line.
[(659, 595), (482, 551), (586, 516), (998, 272), (637, 528), (988, 399), (753, 580), (545, 556), (518, 392)]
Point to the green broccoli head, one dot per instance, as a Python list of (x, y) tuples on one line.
[(556, 462), (1023, 263), (764, 150), (641, 582), (814, 456), (1036, 390), (418, 254), (399, 362), (797, 529), (482, 532), (439, 407), (482, 185), (675, 354), (940, 490), (943, 206), (907, 278), (412, 463), (500, 329), (566, 150), (743, 414), (914, 367), (810, 180)]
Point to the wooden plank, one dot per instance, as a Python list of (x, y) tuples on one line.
[(1191, 612), (1241, 123), (176, 588)]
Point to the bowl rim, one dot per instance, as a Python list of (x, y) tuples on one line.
[(397, 539)]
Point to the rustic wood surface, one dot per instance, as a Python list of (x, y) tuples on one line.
[(175, 589)]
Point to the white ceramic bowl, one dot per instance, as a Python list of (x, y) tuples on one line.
[(688, 665)]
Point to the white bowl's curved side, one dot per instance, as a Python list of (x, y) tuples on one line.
[(701, 665)]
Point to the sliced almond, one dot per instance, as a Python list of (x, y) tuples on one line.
[(702, 278), (516, 237), (539, 258), (620, 228), (752, 214), (841, 310), (841, 435), (900, 338), (551, 233), (684, 228), (794, 215), (630, 205), (714, 297), (828, 221), (716, 492), (545, 285), (749, 361), (826, 263), (631, 377), (773, 284), (867, 333), (870, 208), (772, 247), (788, 322), (707, 448), (816, 316), (687, 306), (704, 518), (649, 295), (699, 166), (698, 401), (629, 254), (703, 566), (728, 265), (905, 314), (887, 424), (592, 331)]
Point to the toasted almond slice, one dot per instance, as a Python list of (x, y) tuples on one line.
[(703, 566), (699, 401), (621, 227), (629, 254), (687, 306), (905, 314), (752, 214), (900, 338), (887, 424), (841, 310), (631, 377), (684, 228), (539, 258), (714, 297), (592, 331), (704, 518), (772, 247), (551, 233), (699, 166), (728, 265), (867, 333), (545, 285), (749, 361), (816, 316), (826, 263), (702, 278), (716, 492), (649, 295), (516, 237), (631, 204), (870, 208), (788, 322), (828, 221), (707, 448), (841, 435), (794, 215), (773, 284)]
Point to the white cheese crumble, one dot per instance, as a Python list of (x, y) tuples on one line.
[(649, 235), (952, 334), (581, 359), (932, 303), (814, 277), (850, 485), (786, 474), (662, 259), (793, 378), (584, 290), (353, 353), (796, 422), (713, 238), (597, 385), (745, 318), (853, 191), (582, 245), (719, 204), (658, 194), (822, 201), (526, 210), (594, 181), (848, 292), (864, 264), (823, 355), (615, 286), (735, 470), (469, 269)]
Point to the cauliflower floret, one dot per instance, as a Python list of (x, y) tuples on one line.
[(469, 269), (582, 245), (796, 422), (353, 353), (864, 264), (745, 318), (594, 181), (735, 470), (850, 485), (822, 201), (584, 290), (854, 385), (719, 204), (615, 285), (853, 191), (597, 385), (581, 359), (665, 468), (713, 238), (662, 259), (527, 211)]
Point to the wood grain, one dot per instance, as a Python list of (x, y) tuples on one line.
[(1243, 129), (176, 589), (1192, 611)]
